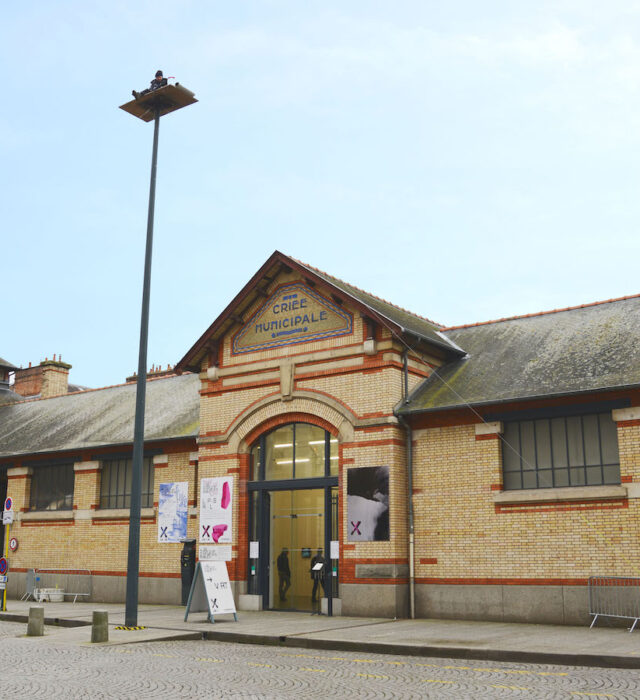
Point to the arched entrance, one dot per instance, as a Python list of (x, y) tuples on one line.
[(293, 517)]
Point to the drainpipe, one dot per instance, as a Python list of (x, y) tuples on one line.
[(409, 440)]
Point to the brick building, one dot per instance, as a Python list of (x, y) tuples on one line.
[(482, 472)]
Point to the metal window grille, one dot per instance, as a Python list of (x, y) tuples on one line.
[(115, 483), (52, 487), (564, 451)]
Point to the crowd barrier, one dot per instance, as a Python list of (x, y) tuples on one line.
[(614, 596), (47, 584)]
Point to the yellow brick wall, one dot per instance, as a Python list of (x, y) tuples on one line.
[(457, 523)]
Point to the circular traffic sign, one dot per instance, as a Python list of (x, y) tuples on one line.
[(8, 503), (13, 544), (4, 565)]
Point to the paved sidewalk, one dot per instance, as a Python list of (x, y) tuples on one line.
[(440, 638)]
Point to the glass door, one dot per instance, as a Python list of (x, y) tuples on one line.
[(296, 545)]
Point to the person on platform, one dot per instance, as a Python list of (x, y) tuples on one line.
[(158, 82), (317, 575), (284, 573)]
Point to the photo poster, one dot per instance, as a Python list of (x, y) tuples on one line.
[(368, 504), (173, 509), (211, 591), (216, 510)]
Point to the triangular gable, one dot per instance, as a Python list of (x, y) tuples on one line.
[(329, 289), (295, 313)]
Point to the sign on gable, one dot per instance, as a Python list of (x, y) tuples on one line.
[(293, 314)]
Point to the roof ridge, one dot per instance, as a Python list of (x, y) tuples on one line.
[(375, 296), (28, 399), (541, 313)]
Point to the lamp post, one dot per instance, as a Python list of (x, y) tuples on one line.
[(153, 105)]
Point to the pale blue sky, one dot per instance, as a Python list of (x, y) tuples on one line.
[(464, 160)]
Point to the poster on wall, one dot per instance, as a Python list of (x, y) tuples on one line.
[(368, 504), (173, 506), (216, 509)]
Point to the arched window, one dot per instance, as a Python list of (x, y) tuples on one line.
[(294, 451)]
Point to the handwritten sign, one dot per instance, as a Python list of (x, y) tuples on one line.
[(211, 590), (294, 314)]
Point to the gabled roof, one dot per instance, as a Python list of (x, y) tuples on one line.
[(396, 319), (6, 364), (100, 417), (588, 348)]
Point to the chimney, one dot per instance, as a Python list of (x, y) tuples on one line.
[(49, 378)]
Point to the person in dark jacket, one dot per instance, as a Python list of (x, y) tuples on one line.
[(317, 576), (158, 82), (284, 573)]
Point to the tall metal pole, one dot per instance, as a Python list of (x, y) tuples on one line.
[(133, 561)]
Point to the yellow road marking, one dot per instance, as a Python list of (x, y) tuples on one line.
[(314, 670), (363, 661), (213, 661), (396, 663), (166, 656), (261, 665), (550, 673), (435, 680), (371, 675)]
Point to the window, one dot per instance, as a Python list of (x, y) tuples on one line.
[(564, 451), (295, 451), (52, 487), (115, 483)]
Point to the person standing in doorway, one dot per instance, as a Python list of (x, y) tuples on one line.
[(284, 573), (317, 574)]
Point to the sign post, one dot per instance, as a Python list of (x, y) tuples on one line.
[(7, 519), (211, 591)]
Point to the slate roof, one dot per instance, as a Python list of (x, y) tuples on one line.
[(582, 349), (408, 321), (100, 417), (6, 364)]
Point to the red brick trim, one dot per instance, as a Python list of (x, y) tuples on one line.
[(488, 436), (628, 423), (48, 523), (216, 458), (349, 460), (372, 428), (505, 581), (626, 479), (233, 470), (285, 418), (11, 477), (87, 471), (497, 487), (429, 560), (373, 443), (228, 389)]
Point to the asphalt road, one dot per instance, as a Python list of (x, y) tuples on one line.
[(39, 668)]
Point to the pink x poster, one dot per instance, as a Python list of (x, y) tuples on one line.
[(216, 509)]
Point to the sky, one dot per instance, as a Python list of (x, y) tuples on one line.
[(464, 160)]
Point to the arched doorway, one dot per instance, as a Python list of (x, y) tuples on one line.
[(293, 517)]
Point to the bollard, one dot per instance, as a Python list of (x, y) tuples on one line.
[(100, 626), (35, 625)]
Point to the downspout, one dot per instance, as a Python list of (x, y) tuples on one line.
[(409, 441)]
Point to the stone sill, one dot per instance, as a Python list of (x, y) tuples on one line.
[(120, 513), (570, 493), (47, 515)]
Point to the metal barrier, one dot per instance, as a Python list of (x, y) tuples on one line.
[(71, 582), (614, 596)]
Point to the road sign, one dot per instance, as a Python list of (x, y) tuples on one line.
[(3, 579), (7, 517), (4, 566), (13, 544), (8, 503)]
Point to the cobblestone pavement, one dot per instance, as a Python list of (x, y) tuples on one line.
[(205, 669)]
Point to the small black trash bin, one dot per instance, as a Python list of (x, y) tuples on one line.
[(187, 567)]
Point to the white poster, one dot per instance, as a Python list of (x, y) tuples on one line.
[(216, 509), (220, 553), (173, 506)]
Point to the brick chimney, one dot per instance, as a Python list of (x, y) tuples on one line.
[(49, 378)]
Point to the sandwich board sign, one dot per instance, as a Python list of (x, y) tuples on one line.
[(211, 591)]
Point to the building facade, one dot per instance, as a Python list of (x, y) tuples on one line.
[(344, 454)]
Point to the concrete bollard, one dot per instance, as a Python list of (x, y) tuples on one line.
[(35, 625), (100, 626)]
